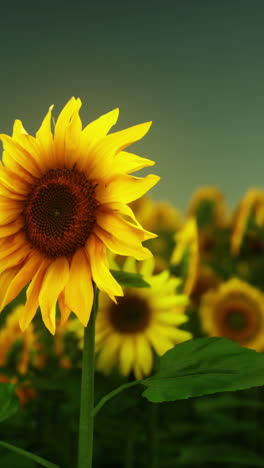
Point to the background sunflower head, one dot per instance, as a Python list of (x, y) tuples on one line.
[(144, 321)]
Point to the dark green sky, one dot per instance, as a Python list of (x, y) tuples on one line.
[(196, 68)]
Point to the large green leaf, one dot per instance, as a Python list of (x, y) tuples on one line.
[(131, 280), (9, 403), (203, 366)]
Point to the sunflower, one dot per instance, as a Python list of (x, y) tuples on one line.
[(143, 320), (63, 201), (22, 346), (251, 207), (235, 311), (209, 207), (185, 256)]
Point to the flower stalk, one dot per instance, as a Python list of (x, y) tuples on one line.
[(85, 453)]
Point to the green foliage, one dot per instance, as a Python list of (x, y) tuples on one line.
[(204, 366), (131, 280), (219, 453), (8, 401)]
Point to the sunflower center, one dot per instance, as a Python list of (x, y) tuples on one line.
[(60, 212), (131, 315), (240, 321), (236, 319)]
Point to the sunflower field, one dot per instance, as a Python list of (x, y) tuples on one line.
[(131, 334)]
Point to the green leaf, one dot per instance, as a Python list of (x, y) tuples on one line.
[(9, 403), (131, 280), (219, 453), (203, 366)]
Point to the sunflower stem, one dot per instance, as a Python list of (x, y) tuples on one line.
[(85, 453), (113, 393)]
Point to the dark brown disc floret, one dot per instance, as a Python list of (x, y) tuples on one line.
[(131, 315), (60, 212), (239, 321)]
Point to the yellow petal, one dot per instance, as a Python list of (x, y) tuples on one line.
[(166, 302), (161, 344), (72, 140), (127, 355), (124, 236), (27, 142), (16, 168), (62, 127), (45, 138), (108, 354), (124, 210), (15, 257), (55, 279), (79, 289), (100, 268), (125, 162), (121, 228), (122, 246), (22, 157), (32, 303), (11, 228), (65, 311), (13, 280), (10, 213), (12, 182), (10, 244), (11, 194), (125, 188), (144, 354), (115, 142), (98, 129), (101, 163)]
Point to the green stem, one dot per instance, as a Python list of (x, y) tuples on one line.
[(114, 392), (87, 391), (24, 453), (153, 435)]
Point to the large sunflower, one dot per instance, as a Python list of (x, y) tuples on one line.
[(236, 311), (143, 320), (63, 201)]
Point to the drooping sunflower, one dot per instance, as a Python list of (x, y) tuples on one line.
[(235, 311), (209, 207), (63, 201), (250, 208), (186, 255), (143, 320)]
